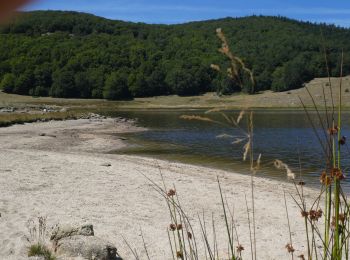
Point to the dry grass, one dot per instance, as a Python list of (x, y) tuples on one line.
[(7, 119), (38, 240), (266, 99), (40, 250)]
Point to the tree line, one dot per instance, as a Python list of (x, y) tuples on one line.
[(77, 55)]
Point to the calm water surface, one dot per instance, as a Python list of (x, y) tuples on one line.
[(284, 135)]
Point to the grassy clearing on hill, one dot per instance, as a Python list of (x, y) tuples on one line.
[(267, 99)]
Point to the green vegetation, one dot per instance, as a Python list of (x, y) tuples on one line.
[(71, 55), (40, 250)]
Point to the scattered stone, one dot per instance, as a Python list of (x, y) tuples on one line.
[(48, 109), (120, 120), (88, 247), (7, 110), (36, 258), (68, 231), (106, 164), (92, 116), (43, 134), (125, 120), (72, 242)]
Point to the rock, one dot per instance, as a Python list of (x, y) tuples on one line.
[(80, 243), (68, 231), (7, 110), (36, 258), (43, 134), (88, 247), (106, 164)]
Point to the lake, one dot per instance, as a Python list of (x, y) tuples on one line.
[(283, 135)]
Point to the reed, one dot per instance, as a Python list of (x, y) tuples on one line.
[(335, 237), (38, 240), (326, 218), (177, 240)]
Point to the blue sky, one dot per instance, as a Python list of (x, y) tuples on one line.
[(169, 12)]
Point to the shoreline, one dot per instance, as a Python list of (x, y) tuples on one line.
[(56, 169), (288, 100)]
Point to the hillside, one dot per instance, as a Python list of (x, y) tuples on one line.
[(69, 54)]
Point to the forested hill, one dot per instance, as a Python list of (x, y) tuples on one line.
[(69, 54)]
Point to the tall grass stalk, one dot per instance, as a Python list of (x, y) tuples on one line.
[(289, 229), (335, 238), (329, 239)]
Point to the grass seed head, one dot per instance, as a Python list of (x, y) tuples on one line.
[(325, 179), (333, 130), (337, 173), (342, 140), (315, 215), (240, 248), (172, 227), (290, 248), (171, 193), (179, 254), (189, 235)]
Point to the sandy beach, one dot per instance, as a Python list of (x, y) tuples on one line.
[(57, 169)]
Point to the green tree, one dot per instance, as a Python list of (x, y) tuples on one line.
[(43, 76), (24, 83), (291, 75), (162, 59), (97, 81), (39, 91), (83, 85), (182, 83), (278, 80), (227, 86), (8, 83), (138, 86), (116, 86), (64, 85), (156, 82)]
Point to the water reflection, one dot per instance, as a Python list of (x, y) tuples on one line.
[(284, 135)]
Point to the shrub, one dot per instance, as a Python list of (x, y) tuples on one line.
[(290, 75), (37, 238), (41, 250)]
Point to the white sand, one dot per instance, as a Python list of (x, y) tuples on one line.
[(62, 178)]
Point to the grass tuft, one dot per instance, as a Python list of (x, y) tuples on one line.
[(40, 250)]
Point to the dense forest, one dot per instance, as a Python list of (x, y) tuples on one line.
[(70, 54)]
